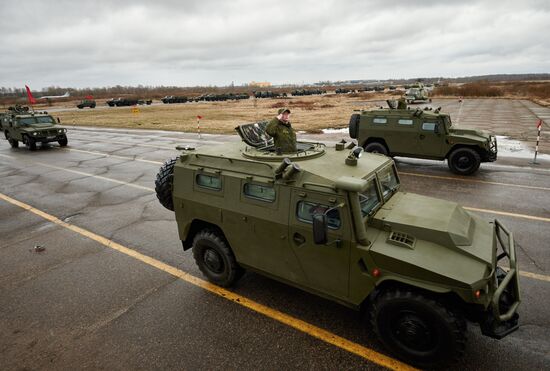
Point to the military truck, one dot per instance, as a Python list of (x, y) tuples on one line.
[(86, 103), (417, 94), (425, 134), (418, 267), (19, 124), (171, 99)]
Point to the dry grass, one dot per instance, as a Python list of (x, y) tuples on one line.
[(309, 114)]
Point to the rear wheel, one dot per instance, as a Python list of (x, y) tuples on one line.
[(30, 143), (215, 259), (376, 147), (418, 329), (464, 161), (164, 184)]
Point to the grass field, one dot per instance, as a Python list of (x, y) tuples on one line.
[(309, 114)]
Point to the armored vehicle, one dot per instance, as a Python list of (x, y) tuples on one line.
[(335, 224), (21, 125), (86, 103), (417, 94), (170, 99), (124, 102), (422, 134)]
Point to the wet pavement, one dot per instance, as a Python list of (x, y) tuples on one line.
[(81, 304)]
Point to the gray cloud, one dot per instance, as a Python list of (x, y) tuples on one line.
[(103, 43)]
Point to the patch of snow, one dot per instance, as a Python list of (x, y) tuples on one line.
[(335, 131), (514, 148)]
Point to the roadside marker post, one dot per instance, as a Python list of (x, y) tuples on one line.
[(539, 127), (199, 126)]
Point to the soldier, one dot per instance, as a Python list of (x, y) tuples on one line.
[(280, 129), (402, 103)]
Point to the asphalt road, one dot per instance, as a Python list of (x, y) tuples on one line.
[(84, 302)]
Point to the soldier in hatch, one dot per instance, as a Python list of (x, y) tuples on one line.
[(279, 128)]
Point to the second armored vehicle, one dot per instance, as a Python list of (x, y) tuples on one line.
[(417, 94), (422, 134), (335, 224), (21, 125), (86, 103)]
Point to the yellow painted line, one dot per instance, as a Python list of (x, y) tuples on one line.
[(505, 213), (96, 176), (474, 181), (114, 156), (536, 276), (302, 326)]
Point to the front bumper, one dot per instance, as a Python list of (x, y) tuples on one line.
[(502, 319)]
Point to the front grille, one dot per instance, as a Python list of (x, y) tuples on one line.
[(401, 239)]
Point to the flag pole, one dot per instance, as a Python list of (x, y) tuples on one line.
[(539, 126)]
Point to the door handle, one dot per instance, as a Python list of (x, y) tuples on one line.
[(422, 136), (298, 239)]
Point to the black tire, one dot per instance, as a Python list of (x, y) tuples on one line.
[(464, 161), (30, 143), (92, 106), (63, 142), (376, 147), (80, 107), (418, 329), (13, 143), (215, 259), (164, 184)]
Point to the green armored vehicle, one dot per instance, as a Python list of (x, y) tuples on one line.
[(422, 134), (417, 94), (21, 125), (335, 224), (86, 103)]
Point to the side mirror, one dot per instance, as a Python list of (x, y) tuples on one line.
[(320, 229), (58, 121)]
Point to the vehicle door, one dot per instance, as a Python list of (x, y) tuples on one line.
[(405, 141), (326, 267), (430, 137)]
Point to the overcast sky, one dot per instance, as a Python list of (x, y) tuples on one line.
[(106, 43)]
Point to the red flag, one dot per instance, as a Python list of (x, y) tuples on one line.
[(89, 97), (539, 124), (199, 117), (29, 95)]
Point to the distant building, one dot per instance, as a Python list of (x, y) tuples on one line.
[(260, 84)]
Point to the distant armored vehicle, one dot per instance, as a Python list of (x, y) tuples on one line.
[(422, 134), (170, 99), (123, 102), (268, 94), (21, 125), (334, 223), (86, 103), (417, 94)]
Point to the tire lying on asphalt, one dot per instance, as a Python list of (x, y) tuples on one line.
[(215, 259), (417, 328), (164, 184), (464, 161)]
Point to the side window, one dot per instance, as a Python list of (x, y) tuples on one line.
[(428, 126), (379, 120), (305, 211), (209, 181), (405, 122), (259, 192)]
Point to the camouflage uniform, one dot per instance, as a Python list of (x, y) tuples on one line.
[(283, 135)]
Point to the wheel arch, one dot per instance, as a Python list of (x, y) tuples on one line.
[(479, 151), (197, 225), (382, 141)]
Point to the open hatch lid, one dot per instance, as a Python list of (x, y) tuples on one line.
[(255, 135)]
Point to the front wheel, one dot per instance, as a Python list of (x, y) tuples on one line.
[(30, 143), (215, 259), (418, 329), (464, 161), (63, 141), (376, 147)]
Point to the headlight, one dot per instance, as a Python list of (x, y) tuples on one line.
[(60, 131), (34, 133)]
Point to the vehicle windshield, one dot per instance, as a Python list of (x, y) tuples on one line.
[(36, 121), (412, 92), (388, 181), (369, 199)]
